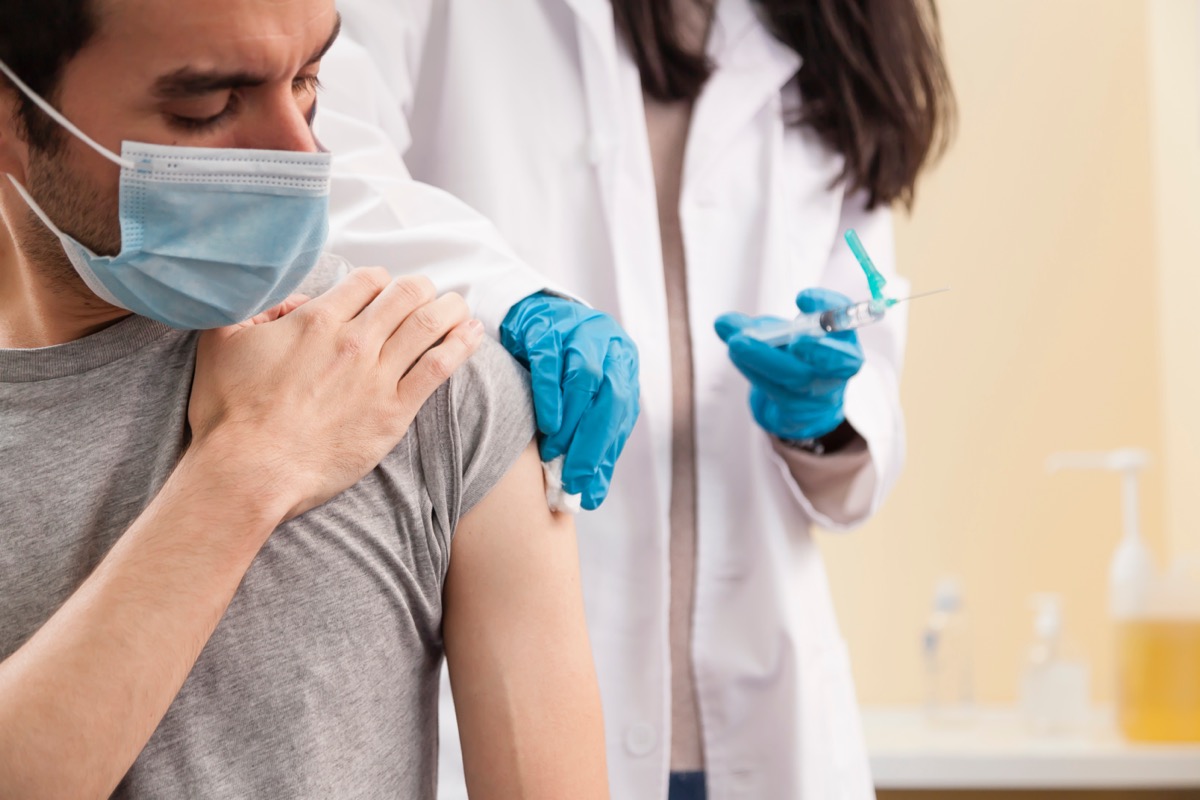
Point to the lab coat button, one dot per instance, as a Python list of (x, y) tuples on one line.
[(640, 739)]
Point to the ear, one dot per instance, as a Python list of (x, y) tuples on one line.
[(14, 151)]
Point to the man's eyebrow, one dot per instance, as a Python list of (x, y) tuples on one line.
[(188, 82)]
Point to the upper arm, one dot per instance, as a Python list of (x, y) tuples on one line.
[(517, 648)]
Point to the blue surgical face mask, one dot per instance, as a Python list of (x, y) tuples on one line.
[(209, 236)]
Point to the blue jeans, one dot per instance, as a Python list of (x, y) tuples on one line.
[(687, 786)]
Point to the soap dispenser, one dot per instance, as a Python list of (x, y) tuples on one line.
[(1157, 620), (1132, 568)]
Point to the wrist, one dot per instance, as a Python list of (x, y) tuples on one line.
[(234, 480), (825, 444)]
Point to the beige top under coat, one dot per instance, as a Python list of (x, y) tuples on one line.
[(824, 479)]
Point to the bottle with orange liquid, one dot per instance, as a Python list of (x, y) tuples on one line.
[(1157, 620), (1158, 667)]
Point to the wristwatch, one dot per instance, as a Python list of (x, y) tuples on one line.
[(831, 442)]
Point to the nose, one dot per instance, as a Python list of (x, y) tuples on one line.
[(282, 124)]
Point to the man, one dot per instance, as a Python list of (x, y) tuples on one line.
[(207, 586)]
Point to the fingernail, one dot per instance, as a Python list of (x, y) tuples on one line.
[(476, 329)]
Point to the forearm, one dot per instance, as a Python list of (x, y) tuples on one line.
[(840, 484), (81, 698)]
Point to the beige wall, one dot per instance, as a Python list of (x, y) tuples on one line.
[(1174, 27), (1043, 219)]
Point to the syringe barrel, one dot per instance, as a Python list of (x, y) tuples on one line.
[(848, 318), (819, 323)]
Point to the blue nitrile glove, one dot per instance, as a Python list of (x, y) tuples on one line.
[(584, 370), (796, 392)]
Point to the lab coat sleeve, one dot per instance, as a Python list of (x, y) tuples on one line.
[(841, 491), (380, 216)]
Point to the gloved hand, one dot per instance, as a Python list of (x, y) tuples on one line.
[(584, 370), (796, 391)]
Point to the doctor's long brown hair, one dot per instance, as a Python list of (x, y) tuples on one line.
[(873, 83)]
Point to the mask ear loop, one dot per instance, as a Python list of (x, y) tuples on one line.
[(57, 116)]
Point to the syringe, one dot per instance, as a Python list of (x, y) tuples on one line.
[(819, 323), (846, 318)]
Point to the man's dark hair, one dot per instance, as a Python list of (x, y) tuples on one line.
[(873, 84), (37, 39)]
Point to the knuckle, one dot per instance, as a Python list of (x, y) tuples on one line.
[(351, 345), (424, 286), (456, 304), (370, 278), (427, 320), (590, 375), (409, 292), (440, 365), (316, 318)]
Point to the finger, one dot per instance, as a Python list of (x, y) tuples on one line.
[(434, 368), (596, 492), (271, 314), (520, 341), (798, 382), (607, 421), (751, 353), (768, 366), (583, 374), (391, 307), (820, 299), (801, 382), (421, 330), (771, 384), (819, 356), (546, 379), (599, 426), (834, 358), (729, 325), (350, 296), (845, 336)]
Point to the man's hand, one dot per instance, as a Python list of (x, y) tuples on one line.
[(584, 370), (796, 392), (312, 395)]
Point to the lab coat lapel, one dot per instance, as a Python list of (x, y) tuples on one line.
[(754, 68), (619, 153), (598, 58)]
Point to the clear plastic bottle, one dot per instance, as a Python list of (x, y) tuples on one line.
[(946, 652), (1055, 685)]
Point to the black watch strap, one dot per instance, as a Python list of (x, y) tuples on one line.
[(831, 442)]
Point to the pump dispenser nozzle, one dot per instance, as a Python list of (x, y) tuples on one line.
[(1132, 567)]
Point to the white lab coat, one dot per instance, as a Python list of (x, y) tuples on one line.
[(531, 112)]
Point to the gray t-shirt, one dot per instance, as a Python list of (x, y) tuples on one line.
[(321, 680)]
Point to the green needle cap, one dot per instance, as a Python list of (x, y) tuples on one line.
[(875, 278)]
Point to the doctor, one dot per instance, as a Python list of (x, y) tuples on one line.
[(672, 162)]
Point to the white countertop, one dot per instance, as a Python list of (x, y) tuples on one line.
[(994, 750)]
